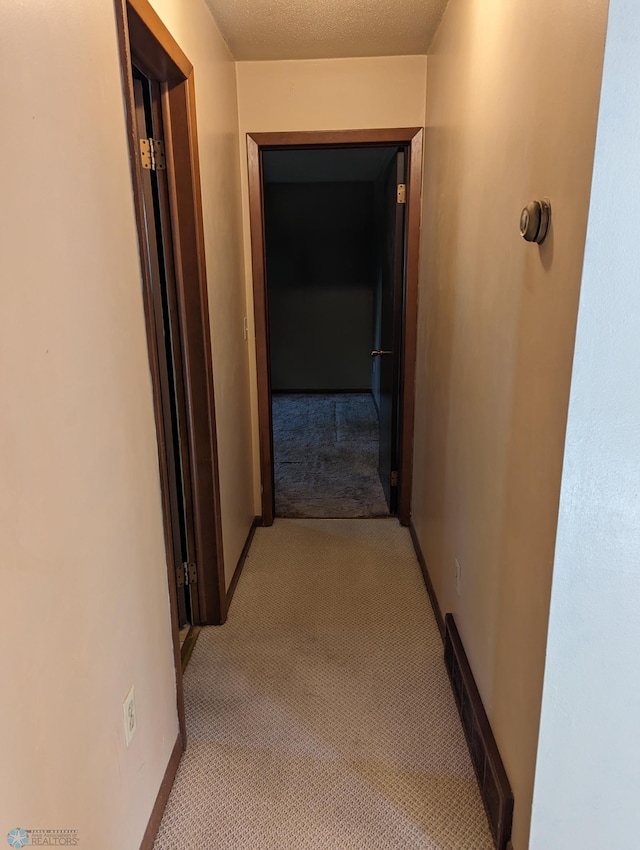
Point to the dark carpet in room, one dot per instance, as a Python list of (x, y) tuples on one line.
[(326, 456)]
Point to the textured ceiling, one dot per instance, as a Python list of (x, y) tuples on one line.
[(325, 166), (326, 29)]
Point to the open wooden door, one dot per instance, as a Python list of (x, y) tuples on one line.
[(390, 334), (169, 346)]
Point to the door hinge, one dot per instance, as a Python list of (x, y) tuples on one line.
[(186, 574), (152, 154), (402, 193), (181, 575), (394, 478)]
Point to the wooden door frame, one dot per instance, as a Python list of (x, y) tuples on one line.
[(257, 143), (146, 42), (161, 218)]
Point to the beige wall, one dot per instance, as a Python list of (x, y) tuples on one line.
[(84, 569), (324, 94), (511, 114), (193, 28)]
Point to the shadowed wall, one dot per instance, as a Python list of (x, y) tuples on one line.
[(320, 276), (496, 334)]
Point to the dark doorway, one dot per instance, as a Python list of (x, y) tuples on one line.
[(331, 243), (329, 327)]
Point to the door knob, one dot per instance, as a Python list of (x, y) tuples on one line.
[(378, 353)]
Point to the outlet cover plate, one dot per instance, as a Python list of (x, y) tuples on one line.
[(129, 716)]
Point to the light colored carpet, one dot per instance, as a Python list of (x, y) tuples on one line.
[(325, 456), (320, 716)]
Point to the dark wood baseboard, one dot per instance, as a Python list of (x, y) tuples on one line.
[(493, 781), (427, 580), (187, 647), (163, 796), (257, 521)]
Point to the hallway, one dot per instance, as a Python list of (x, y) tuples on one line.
[(320, 714)]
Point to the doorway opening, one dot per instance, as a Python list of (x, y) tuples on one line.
[(334, 256), (335, 233)]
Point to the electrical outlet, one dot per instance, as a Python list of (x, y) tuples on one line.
[(129, 712), (458, 578)]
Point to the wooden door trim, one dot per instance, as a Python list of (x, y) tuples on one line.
[(143, 38), (338, 138), (412, 138), (164, 246), (154, 41), (167, 217), (188, 238), (412, 261)]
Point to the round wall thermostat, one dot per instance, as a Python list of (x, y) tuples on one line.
[(534, 221)]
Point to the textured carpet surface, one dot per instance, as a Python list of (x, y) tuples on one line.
[(320, 716), (325, 450)]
